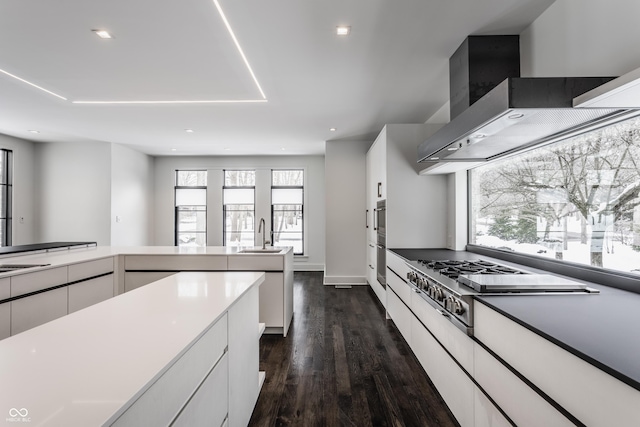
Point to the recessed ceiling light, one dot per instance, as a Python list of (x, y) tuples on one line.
[(103, 34), (283, 148), (188, 130), (452, 148), (333, 129), (34, 131), (516, 116), (227, 148), (343, 30), (174, 149), (434, 158)]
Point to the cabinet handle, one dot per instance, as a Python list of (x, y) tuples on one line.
[(375, 225), (371, 267), (366, 218), (371, 246), (444, 313), (379, 189)]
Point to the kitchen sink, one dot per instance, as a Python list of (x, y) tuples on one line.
[(5, 268), (259, 251)]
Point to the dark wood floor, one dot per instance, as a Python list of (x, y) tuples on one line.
[(343, 364)]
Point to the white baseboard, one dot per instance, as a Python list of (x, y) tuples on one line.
[(344, 280), (303, 266)]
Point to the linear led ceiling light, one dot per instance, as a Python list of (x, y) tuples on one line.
[(32, 84), (343, 30), (104, 34)]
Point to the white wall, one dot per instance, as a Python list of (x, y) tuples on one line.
[(345, 189), (582, 38), (314, 208), (73, 192), (24, 217), (132, 189)]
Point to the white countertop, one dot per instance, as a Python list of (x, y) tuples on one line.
[(81, 369), (72, 256)]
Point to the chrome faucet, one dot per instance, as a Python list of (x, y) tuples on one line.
[(261, 229)]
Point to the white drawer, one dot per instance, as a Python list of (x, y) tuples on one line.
[(579, 387), (31, 282), (5, 320), (89, 292), (509, 392), (176, 262), (397, 265), (35, 310), (256, 263), (85, 270), (400, 314), (400, 287), (210, 405), (5, 288), (455, 341), (164, 399), (135, 279)]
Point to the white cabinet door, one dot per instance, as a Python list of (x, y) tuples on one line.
[(134, 280), (487, 415), (509, 391), (210, 405), (400, 314), (29, 312), (85, 270), (272, 300), (90, 292), (455, 387), (5, 320), (30, 282), (244, 356)]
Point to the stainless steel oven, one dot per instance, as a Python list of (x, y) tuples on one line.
[(380, 225)]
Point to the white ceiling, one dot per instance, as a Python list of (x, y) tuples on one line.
[(392, 68)]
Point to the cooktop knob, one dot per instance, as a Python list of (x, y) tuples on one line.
[(457, 307), (439, 295)]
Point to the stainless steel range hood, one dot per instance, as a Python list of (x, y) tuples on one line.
[(516, 114)]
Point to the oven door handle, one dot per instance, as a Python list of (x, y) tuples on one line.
[(380, 246)]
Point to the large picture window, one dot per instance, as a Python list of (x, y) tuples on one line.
[(191, 208), (238, 201), (287, 195), (6, 196), (576, 200)]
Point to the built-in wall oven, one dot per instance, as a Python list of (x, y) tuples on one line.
[(380, 225)]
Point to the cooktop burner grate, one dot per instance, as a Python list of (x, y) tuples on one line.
[(453, 268)]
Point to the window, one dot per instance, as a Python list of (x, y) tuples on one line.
[(6, 196), (238, 203), (576, 200), (287, 195), (191, 208)]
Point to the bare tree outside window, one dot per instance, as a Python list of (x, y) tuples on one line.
[(287, 202), (239, 207), (576, 200), (191, 208)]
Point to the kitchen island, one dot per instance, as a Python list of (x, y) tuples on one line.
[(571, 358), (183, 350), (66, 281)]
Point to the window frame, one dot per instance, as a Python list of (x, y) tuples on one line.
[(176, 210), (224, 205), (598, 275), (6, 188), (302, 210)]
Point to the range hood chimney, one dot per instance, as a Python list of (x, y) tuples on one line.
[(494, 112)]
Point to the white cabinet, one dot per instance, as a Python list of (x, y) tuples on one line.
[(136, 279), (210, 405), (5, 320), (509, 391), (161, 403), (244, 352), (175, 262), (5, 308), (34, 310), (400, 314), (89, 292), (577, 386), (455, 387), (272, 301), (90, 269), (22, 284), (487, 415), (415, 212)]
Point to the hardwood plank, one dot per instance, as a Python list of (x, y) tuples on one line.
[(343, 364)]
